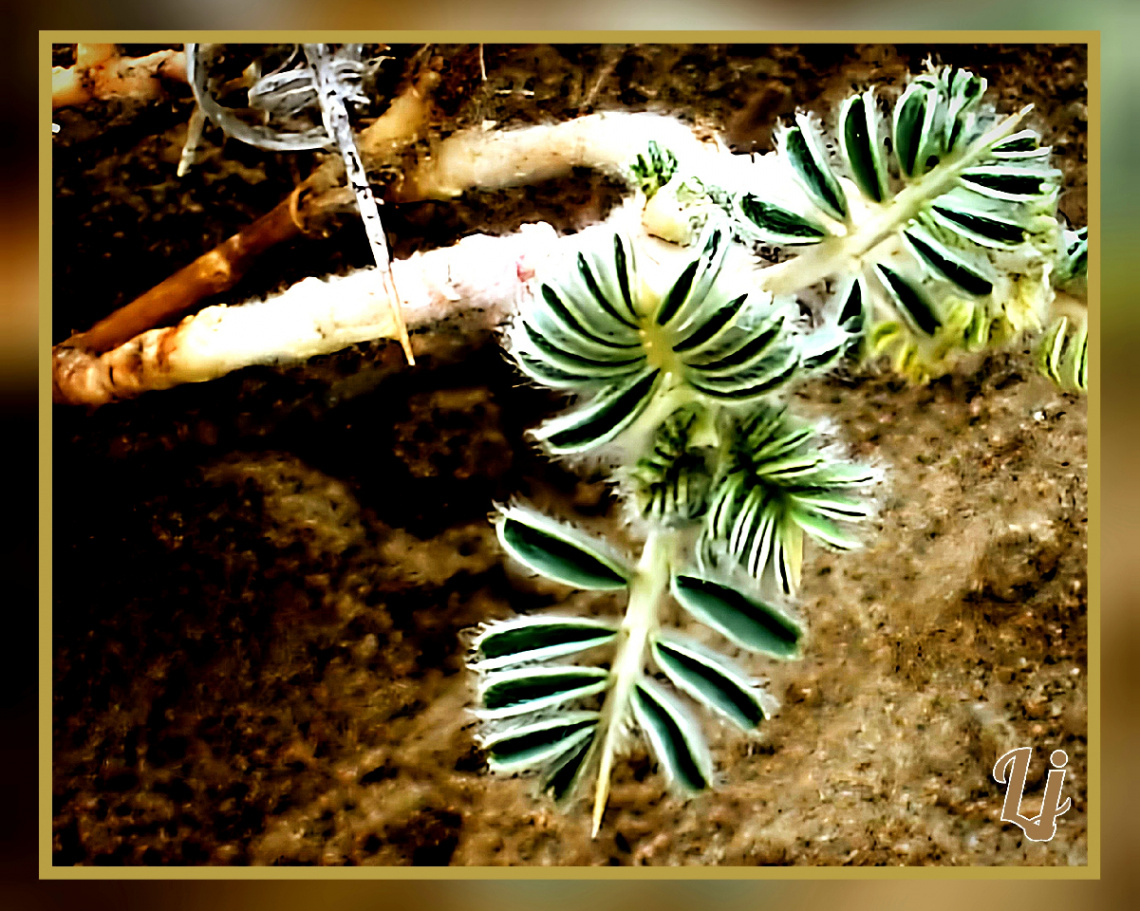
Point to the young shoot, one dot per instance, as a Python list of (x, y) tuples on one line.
[(674, 379), (935, 219), (931, 227)]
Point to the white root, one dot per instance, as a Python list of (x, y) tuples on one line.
[(487, 160), (480, 274), (477, 281)]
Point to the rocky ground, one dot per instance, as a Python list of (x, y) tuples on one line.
[(260, 584)]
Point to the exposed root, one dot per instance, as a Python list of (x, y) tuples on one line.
[(305, 211), (464, 161), (100, 74), (476, 281)]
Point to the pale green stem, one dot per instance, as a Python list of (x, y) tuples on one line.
[(641, 619), (674, 394), (845, 254)]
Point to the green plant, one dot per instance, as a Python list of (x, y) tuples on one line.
[(936, 218), (945, 240), (725, 484)]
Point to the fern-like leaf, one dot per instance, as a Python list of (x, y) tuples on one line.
[(670, 485), (949, 215), (591, 330), (775, 488)]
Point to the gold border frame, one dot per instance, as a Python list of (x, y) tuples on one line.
[(48, 871)]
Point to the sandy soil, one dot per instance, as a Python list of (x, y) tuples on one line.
[(260, 583)]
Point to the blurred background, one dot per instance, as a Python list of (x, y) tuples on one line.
[(1118, 21)]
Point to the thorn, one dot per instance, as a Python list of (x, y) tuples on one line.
[(599, 812), (398, 315), (602, 793), (193, 145)]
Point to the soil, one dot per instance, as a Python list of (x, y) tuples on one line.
[(260, 584)]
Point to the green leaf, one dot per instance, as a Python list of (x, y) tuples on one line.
[(624, 271), (676, 741), (757, 429), (771, 372), (654, 169), (747, 621), (677, 294), (1023, 145), (837, 474), (736, 348), (832, 505), (606, 294), (526, 640), (777, 225), (565, 357), (700, 290), (862, 149), (566, 771), (790, 469), (532, 689), (965, 90), (760, 546), (1073, 260), (1010, 181), (853, 312), (940, 261), (542, 372), (710, 679), (606, 415), (711, 329), (910, 121), (988, 229), (910, 300), (745, 524), (738, 351), (777, 439), (671, 483), (588, 328), (823, 347), (535, 744), (723, 504), (822, 529), (560, 552), (801, 146), (789, 553), (1063, 355)]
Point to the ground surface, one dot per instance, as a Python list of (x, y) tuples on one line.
[(260, 583)]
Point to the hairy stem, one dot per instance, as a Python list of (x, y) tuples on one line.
[(640, 621), (844, 254), (476, 159)]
